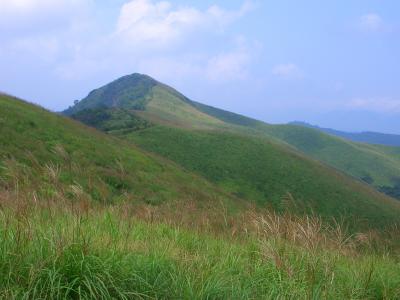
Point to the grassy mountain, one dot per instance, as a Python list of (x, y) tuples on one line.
[(376, 166), (235, 156), (85, 215), (64, 158), (361, 137), (145, 95)]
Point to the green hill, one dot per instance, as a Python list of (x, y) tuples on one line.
[(235, 153), (47, 154), (376, 165), (260, 170), (86, 215), (161, 104)]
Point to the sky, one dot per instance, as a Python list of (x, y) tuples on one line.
[(331, 63)]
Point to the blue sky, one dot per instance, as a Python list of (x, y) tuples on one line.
[(331, 63)]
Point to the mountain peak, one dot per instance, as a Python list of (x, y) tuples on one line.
[(130, 92), (136, 76)]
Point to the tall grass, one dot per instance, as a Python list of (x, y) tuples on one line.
[(56, 243), (50, 250)]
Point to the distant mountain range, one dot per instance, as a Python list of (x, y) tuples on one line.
[(361, 137)]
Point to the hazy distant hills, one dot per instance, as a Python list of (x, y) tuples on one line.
[(362, 137)]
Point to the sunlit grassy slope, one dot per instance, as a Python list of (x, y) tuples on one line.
[(44, 150)]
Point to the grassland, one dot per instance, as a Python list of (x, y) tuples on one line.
[(73, 249), (247, 158), (42, 149), (376, 165), (264, 172), (84, 215), (381, 169), (252, 168)]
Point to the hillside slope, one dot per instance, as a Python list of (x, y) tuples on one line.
[(263, 171), (237, 158), (361, 161), (376, 165), (43, 153)]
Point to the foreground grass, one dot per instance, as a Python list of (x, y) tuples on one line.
[(53, 252)]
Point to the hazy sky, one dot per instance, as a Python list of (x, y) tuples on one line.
[(335, 63)]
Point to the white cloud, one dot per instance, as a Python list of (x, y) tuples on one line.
[(287, 71), (156, 38), (159, 23), (371, 22), (382, 105)]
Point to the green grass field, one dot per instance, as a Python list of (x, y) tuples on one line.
[(85, 215), (56, 250)]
